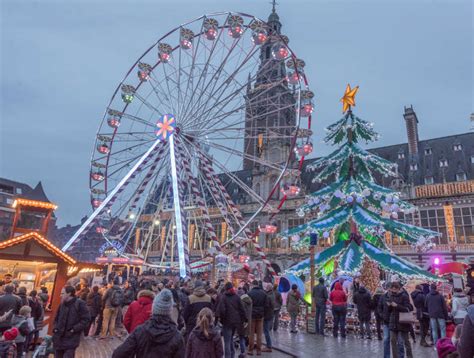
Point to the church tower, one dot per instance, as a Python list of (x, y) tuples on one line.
[(263, 116)]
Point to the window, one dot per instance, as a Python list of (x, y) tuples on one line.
[(429, 180), (464, 224), (401, 155), (457, 147), (443, 163), (18, 191), (9, 201), (472, 159), (461, 177), (413, 167), (428, 151)]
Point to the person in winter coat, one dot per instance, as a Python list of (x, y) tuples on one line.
[(437, 311), (460, 303), (139, 311), (205, 340), (230, 311), (20, 322), (112, 301), (196, 302), (363, 300), (277, 308), (94, 305), (268, 316), (70, 321), (245, 328), (23, 296), (319, 297), (259, 302), (44, 296), (157, 337), (37, 313), (398, 302), (466, 342), (419, 299), (8, 302), (378, 318), (293, 306), (338, 299), (128, 296)]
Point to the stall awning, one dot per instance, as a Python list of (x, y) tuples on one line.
[(33, 246)]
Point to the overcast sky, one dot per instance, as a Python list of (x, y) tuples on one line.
[(61, 61)]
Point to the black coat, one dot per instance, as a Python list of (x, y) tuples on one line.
[(364, 303), (200, 346), (419, 299), (320, 295), (157, 337), (403, 305), (70, 321), (259, 301), (375, 304), (436, 305), (230, 311), (128, 295), (382, 308), (9, 302), (94, 303)]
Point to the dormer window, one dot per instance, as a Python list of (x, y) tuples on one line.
[(443, 163), (457, 147), (461, 177), (428, 151), (429, 180), (413, 167), (401, 156)]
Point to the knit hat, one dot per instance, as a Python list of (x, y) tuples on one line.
[(11, 334), (163, 302), (198, 284)]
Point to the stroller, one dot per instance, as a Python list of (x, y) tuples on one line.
[(45, 348)]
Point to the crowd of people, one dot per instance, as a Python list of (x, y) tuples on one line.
[(396, 312), (192, 318), (21, 316)]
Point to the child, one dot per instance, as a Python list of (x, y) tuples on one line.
[(20, 321), (205, 340), (7, 343)]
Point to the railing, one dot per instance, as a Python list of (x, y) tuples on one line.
[(445, 189)]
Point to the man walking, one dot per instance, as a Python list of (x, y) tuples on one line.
[(293, 306), (437, 311), (419, 299), (319, 298), (231, 313), (113, 301), (70, 321), (363, 299), (259, 302), (196, 302)]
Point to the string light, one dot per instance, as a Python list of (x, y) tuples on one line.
[(34, 203)]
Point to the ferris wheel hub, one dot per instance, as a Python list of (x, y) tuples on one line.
[(166, 126)]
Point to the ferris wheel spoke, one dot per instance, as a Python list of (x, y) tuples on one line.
[(215, 78), (138, 120), (204, 71), (161, 95)]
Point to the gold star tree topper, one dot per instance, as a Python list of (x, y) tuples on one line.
[(348, 99)]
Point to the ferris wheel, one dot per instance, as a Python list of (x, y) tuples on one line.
[(183, 132)]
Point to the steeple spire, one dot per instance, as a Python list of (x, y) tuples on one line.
[(274, 3)]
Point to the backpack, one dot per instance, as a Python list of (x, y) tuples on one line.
[(117, 298)]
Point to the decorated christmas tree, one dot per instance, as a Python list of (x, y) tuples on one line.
[(352, 209)]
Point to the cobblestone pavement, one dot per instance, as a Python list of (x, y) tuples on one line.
[(303, 345)]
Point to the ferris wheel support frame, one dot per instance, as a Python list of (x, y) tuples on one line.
[(111, 196)]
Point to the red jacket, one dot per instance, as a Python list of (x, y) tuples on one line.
[(338, 296), (139, 311)]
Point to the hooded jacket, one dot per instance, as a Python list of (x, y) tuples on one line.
[(293, 301), (436, 305), (139, 311), (247, 304), (200, 346), (363, 301), (70, 321), (158, 337), (338, 297), (466, 343), (197, 301), (460, 304)]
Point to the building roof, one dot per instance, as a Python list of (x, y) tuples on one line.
[(36, 194), (13, 187)]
